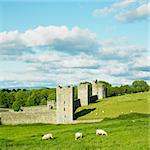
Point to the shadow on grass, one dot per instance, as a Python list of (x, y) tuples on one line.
[(83, 112), (129, 116)]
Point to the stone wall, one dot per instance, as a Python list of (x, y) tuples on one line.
[(29, 115), (51, 104)]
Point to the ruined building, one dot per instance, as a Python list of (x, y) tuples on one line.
[(66, 103), (59, 111)]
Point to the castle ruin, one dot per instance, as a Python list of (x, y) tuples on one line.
[(60, 111), (66, 102)]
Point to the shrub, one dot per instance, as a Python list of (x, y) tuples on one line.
[(43, 101), (16, 106)]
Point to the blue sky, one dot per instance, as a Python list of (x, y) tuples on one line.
[(46, 43)]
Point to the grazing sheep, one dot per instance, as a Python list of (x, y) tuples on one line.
[(47, 136), (101, 132), (78, 135)]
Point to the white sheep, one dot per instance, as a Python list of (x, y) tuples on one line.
[(78, 135), (101, 132), (47, 136)]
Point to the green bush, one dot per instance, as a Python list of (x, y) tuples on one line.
[(30, 101), (43, 101), (16, 106)]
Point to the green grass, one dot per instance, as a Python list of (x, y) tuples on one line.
[(128, 131), (115, 106)]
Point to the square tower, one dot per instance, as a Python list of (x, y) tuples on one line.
[(98, 89), (83, 93), (94, 88), (101, 90), (64, 104)]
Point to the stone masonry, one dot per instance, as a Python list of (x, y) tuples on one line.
[(83, 94), (98, 89), (59, 111), (101, 91), (64, 111)]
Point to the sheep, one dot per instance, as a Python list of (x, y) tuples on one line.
[(47, 136), (78, 135), (101, 132)]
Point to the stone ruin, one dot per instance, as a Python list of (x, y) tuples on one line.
[(60, 111), (66, 104)]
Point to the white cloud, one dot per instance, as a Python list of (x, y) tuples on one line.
[(125, 10), (102, 12), (123, 3), (122, 51), (139, 13), (142, 62), (53, 37), (113, 8), (61, 59), (65, 56)]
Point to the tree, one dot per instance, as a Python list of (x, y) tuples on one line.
[(10, 99), (31, 101), (22, 96), (6, 99), (16, 106), (43, 101), (140, 85), (52, 94)]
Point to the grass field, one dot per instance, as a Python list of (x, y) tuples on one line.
[(129, 131), (115, 106)]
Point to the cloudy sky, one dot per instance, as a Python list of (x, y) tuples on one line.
[(45, 43)]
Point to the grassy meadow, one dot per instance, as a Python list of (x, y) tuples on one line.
[(115, 106), (126, 131)]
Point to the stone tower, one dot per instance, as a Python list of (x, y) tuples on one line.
[(101, 90), (83, 93), (64, 104), (98, 89), (94, 88)]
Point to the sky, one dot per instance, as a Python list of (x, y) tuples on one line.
[(46, 43)]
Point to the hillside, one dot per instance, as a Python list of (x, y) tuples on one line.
[(115, 106), (129, 131)]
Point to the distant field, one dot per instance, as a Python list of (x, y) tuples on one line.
[(129, 131), (115, 106)]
